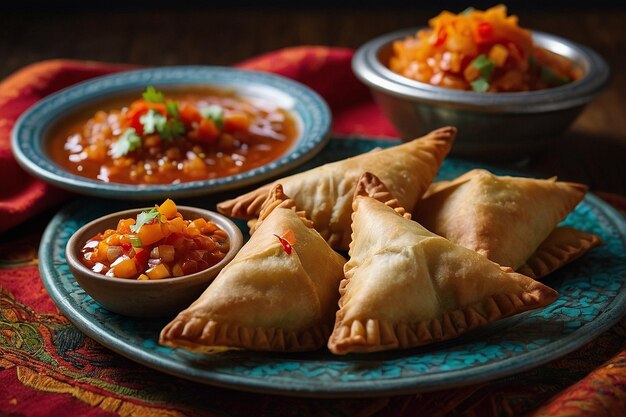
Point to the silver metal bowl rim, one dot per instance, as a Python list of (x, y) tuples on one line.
[(367, 67), (234, 235)]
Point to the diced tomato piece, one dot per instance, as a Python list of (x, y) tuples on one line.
[(137, 109), (516, 51), (442, 35), (189, 114), (485, 32), (202, 264), (207, 132), (236, 122), (175, 236), (215, 257), (126, 247), (190, 267), (141, 258)]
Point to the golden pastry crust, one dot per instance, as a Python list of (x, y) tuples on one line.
[(269, 298), (502, 218), (325, 192), (405, 286), (564, 245)]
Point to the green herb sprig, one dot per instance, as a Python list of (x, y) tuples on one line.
[(145, 217), (127, 142), (214, 113)]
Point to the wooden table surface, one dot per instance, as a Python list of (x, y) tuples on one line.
[(593, 151)]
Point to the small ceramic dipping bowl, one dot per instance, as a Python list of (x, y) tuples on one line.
[(491, 126), (150, 298)]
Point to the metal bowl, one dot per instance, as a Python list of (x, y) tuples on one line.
[(491, 125)]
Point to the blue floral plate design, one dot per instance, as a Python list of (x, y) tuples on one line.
[(592, 299), (311, 112)]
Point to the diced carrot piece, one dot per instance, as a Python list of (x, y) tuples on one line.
[(471, 73), (199, 223), (123, 226), (195, 167), (209, 228), (114, 239), (498, 54), (159, 271), (168, 209), (126, 268), (100, 253), (150, 233), (165, 229), (176, 225), (192, 230), (236, 122), (166, 253), (143, 277)]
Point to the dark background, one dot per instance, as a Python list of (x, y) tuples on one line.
[(219, 33), (211, 33)]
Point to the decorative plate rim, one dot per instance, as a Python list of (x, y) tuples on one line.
[(311, 111)]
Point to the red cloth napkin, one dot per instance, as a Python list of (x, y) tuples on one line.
[(325, 70)]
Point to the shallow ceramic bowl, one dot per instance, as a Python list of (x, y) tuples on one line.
[(31, 132), (158, 298), (491, 125)]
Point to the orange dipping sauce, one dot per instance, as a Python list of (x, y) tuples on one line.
[(184, 136)]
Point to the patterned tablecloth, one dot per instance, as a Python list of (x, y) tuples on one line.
[(49, 368)]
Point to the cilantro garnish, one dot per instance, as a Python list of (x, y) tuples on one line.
[(214, 113), (172, 108), (484, 65), (152, 122), (145, 217), (467, 11), (480, 85), (172, 129), (550, 77), (153, 96), (128, 142)]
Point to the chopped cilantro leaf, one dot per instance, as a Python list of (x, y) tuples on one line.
[(480, 85), (172, 129), (549, 77), (484, 65), (128, 142), (172, 108), (145, 217), (153, 96), (215, 113), (152, 122), (467, 11)]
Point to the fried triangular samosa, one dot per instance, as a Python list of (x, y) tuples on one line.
[(564, 245), (279, 293), (325, 192), (502, 218), (405, 286)]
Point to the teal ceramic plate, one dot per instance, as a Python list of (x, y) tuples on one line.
[(309, 109), (592, 299)]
